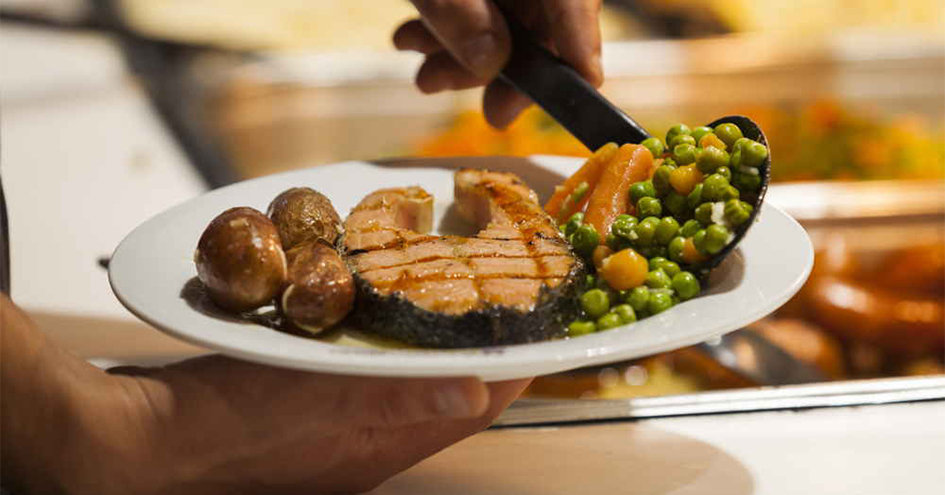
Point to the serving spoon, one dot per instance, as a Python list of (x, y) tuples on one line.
[(592, 119)]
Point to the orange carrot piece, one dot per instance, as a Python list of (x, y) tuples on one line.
[(611, 197), (590, 172), (690, 254)]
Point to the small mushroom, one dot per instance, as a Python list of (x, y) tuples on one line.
[(321, 289), (302, 215), (240, 260)]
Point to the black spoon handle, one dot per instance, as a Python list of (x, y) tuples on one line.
[(564, 94)]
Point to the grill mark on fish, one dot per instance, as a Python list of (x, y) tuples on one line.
[(537, 258), (515, 281)]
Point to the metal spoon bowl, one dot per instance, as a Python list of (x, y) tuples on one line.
[(595, 121)]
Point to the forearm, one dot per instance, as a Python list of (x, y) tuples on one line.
[(49, 407), (32, 409)]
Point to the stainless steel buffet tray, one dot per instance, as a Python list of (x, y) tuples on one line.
[(529, 411)]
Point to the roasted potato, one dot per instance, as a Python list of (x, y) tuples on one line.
[(321, 289), (302, 215), (240, 260)]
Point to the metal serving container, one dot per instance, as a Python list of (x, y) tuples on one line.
[(282, 111)]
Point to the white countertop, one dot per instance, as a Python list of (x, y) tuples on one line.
[(85, 159)]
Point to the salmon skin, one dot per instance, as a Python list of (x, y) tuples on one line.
[(515, 281)]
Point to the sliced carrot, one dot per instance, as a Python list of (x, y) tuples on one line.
[(690, 254), (610, 198), (590, 172), (656, 164)]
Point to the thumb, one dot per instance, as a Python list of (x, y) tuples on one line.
[(395, 402), (473, 31)]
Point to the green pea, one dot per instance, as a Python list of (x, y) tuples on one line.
[(659, 302), (655, 262), (646, 231), (595, 303), (649, 207), (666, 230), (608, 321), (747, 206), (654, 145), (669, 161), (686, 285), (753, 154), (661, 179), (638, 298), (642, 189), (677, 130), (574, 222), (661, 263), (728, 133), (739, 143), (699, 132), (681, 139), (698, 241), (713, 187), (581, 327), (626, 313), (694, 198), (585, 239), (590, 282), (684, 154), (676, 204), (623, 226), (670, 267), (716, 237), (675, 248), (711, 158), (658, 279), (704, 214), (747, 182), (690, 228), (735, 160), (724, 172), (730, 193), (735, 212)]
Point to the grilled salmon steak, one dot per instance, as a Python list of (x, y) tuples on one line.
[(515, 281)]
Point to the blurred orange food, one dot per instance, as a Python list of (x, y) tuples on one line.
[(534, 132), (822, 140)]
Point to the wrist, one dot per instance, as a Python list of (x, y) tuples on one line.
[(77, 430)]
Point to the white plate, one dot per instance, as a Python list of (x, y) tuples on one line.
[(153, 266)]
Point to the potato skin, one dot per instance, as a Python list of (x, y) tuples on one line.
[(302, 214), (240, 260), (321, 289)]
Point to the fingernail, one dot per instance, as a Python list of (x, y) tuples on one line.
[(479, 54), (451, 402)]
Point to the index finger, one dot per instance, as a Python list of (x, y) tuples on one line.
[(474, 31), (574, 27)]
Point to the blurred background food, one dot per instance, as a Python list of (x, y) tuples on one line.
[(851, 95)]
